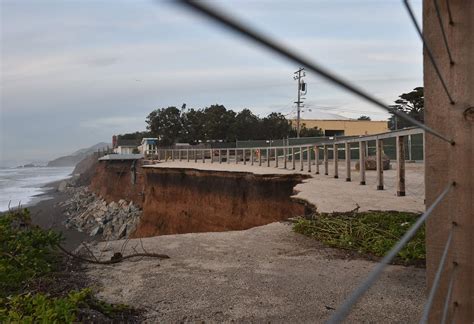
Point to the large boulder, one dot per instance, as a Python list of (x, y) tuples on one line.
[(371, 163)]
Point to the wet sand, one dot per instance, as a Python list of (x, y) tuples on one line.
[(48, 215)]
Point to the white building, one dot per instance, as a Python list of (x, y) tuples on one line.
[(126, 146), (149, 146)]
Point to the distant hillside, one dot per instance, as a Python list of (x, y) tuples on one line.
[(78, 156)]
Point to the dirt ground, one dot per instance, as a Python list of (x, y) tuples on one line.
[(264, 274)]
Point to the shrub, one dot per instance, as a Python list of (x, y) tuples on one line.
[(367, 232), (26, 252)]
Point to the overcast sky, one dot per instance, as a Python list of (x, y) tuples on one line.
[(73, 73)]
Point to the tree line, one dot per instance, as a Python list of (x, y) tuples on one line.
[(217, 123)]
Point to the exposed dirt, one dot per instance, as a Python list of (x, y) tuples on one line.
[(183, 200), (189, 201), (115, 180)]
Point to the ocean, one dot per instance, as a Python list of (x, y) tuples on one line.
[(23, 185)]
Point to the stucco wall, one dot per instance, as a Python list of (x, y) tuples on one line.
[(350, 127)]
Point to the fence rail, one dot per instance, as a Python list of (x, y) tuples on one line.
[(305, 156)]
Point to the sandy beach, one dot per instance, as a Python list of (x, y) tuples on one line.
[(47, 214)]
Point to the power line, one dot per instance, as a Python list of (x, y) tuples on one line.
[(269, 43)]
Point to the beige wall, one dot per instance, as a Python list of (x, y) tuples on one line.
[(350, 127)]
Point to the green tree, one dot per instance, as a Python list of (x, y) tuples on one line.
[(217, 122), (275, 126), (165, 124), (411, 103), (246, 126)]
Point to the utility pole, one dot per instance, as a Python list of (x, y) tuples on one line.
[(301, 88)]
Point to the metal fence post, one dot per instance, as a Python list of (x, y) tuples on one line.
[(285, 159), (336, 161), (251, 156)]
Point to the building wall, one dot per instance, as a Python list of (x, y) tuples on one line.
[(124, 150), (350, 127)]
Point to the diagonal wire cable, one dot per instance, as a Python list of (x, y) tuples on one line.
[(448, 6), (448, 295), (269, 43), (443, 32), (428, 50), (342, 312), (437, 278)]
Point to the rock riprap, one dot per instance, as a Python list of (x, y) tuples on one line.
[(89, 213)]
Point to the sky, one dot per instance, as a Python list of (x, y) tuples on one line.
[(73, 73)]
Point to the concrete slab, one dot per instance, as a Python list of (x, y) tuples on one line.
[(335, 195)]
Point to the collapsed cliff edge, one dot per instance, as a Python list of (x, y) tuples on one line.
[(187, 200)]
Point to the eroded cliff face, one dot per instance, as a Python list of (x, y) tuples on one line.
[(187, 200), (176, 201), (115, 180)]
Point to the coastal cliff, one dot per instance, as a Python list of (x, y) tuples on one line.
[(176, 201)]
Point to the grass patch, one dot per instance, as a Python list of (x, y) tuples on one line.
[(371, 233), (35, 284)]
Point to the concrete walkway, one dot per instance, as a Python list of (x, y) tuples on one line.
[(335, 195), (261, 275)]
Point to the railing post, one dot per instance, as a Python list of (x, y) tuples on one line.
[(251, 156), (268, 157), (244, 156), (293, 160), (211, 152), (195, 156), (409, 148), (179, 155), (316, 158), (276, 158), (326, 160), (203, 152), (301, 158), (285, 158), (220, 156), (236, 158), (379, 160), (347, 146), (228, 156), (400, 166), (362, 151), (259, 157), (187, 155), (336, 161), (308, 157)]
